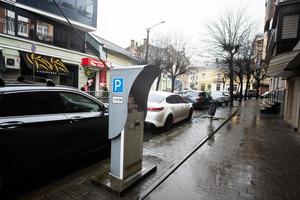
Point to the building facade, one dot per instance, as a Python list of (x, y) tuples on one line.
[(112, 55), (283, 56), (36, 40)]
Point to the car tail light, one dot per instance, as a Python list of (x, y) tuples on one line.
[(154, 109)]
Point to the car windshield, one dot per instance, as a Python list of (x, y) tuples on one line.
[(156, 98)]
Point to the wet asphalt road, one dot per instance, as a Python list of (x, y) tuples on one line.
[(35, 181)]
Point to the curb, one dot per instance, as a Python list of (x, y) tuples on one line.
[(176, 166)]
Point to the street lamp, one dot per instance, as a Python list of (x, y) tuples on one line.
[(147, 44)]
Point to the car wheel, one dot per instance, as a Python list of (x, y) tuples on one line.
[(190, 115), (169, 123)]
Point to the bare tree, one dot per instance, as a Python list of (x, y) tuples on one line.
[(225, 37), (238, 73), (156, 56), (259, 72), (176, 62), (259, 68), (246, 55)]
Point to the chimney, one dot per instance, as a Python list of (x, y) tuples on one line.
[(132, 44), (145, 41)]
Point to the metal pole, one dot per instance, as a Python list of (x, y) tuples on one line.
[(147, 46)]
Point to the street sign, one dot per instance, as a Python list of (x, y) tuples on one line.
[(33, 48), (118, 85)]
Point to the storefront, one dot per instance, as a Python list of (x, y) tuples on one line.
[(95, 71), (37, 65), (20, 63)]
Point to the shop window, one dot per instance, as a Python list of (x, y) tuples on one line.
[(44, 31), (7, 21)]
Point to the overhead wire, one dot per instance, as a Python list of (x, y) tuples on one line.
[(80, 37)]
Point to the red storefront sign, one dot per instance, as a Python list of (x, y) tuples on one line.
[(92, 62), (102, 78)]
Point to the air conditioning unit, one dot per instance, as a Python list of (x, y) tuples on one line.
[(12, 62)]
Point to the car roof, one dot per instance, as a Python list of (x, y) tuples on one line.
[(32, 87), (163, 93)]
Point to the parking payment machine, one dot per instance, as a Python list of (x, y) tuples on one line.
[(130, 87)]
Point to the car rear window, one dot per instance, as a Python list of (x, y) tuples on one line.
[(156, 98)]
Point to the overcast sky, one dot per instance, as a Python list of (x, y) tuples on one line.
[(119, 21)]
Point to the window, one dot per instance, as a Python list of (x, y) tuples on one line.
[(171, 99), (60, 36), (208, 87), (218, 76), (218, 87), (44, 31), (202, 87), (179, 99), (203, 75), (290, 27), (23, 26), (74, 103), (7, 21), (83, 7), (234, 87), (28, 103)]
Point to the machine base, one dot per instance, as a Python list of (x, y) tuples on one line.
[(117, 186)]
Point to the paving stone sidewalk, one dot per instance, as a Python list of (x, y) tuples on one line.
[(164, 151), (254, 156)]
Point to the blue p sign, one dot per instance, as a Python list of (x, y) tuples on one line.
[(118, 85)]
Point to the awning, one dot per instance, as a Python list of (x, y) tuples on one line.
[(44, 64), (280, 64), (295, 63), (2, 62)]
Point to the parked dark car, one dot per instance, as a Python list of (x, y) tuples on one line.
[(42, 126), (219, 98), (251, 93), (199, 99)]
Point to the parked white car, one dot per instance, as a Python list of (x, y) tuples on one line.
[(166, 108)]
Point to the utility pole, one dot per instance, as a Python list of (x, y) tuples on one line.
[(147, 42)]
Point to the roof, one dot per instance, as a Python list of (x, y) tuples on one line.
[(112, 47)]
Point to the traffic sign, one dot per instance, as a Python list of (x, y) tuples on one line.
[(118, 85)]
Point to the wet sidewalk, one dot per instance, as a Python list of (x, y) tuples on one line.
[(254, 156), (165, 151)]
